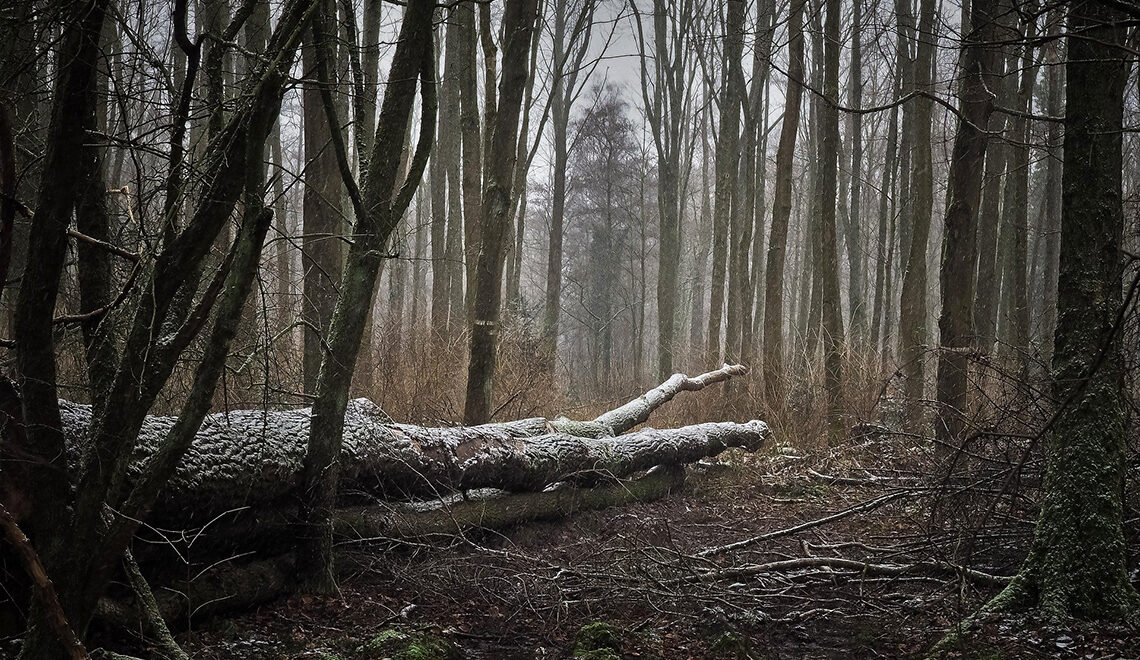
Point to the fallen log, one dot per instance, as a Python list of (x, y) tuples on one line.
[(230, 586), (253, 458)]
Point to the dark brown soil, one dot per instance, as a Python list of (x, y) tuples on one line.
[(526, 593)]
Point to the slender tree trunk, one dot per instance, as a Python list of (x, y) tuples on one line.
[(1017, 201), (880, 327), (977, 77), (322, 250), (856, 285), (782, 208), (912, 306), (472, 144), (1055, 107), (518, 23), (379, 204), (725, 218), (989, 219), (829, 268)]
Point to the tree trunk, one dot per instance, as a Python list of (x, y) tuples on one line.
[(518, 23), (880, 327), (912, 306), (955, 324), (829, 268), (989, 219), (1055, 107), (472, 147), (782, 208), (257, 458), (379, 205), (1077, 565), (726, 172), (322, 250), (856, 286)]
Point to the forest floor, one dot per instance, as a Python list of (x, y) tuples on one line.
[(528, 592)]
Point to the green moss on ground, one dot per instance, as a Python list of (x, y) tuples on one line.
[(730, 645), (597, 641), (399, 645)]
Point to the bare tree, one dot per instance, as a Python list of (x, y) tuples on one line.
[(518, 23), (379, 202), (782, 206), (955, 323)]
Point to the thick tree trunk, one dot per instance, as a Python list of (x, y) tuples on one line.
[(252, 458), (1077, 565)]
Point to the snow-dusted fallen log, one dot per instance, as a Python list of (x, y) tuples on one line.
[(253, 457)]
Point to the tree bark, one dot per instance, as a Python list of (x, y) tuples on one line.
[(955, 324), (782, 207), (518, 23), (1077, 565)]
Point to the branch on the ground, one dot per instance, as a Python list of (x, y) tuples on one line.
[(849, 511), (938, 568)]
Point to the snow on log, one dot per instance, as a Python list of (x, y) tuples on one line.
[(254, 458), (620, 420)]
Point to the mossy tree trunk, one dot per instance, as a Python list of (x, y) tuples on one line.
[(379, 202), (1076, 566)]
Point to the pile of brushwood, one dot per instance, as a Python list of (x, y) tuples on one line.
[(220, 536)]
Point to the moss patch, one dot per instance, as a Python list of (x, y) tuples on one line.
[(403, 646), (730, 645), (598, 641)]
